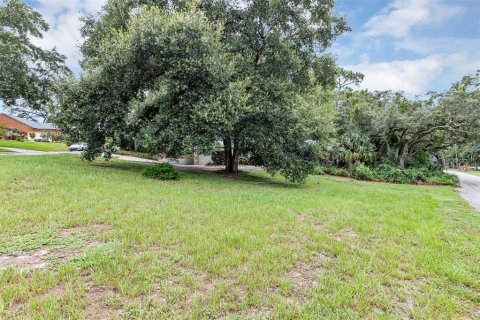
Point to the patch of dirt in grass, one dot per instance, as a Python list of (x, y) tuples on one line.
[(31, 260), (304, 277), (404, 307), (305, 274), (20, 186), (97, 307), (347, 233), (307, 220), (61, 249)]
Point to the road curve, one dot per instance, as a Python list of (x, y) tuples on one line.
[(469, 188)]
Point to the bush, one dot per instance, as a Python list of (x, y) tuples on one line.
[(162, 171), (387, 173), (328, 169), (341, 172), (318, 171), (32, 135), (443, 178), (362, 172), (335, 171)]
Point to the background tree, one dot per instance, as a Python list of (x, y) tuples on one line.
[(391, 128), (27, 72)]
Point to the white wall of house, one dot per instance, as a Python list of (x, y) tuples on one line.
[(203, 160)]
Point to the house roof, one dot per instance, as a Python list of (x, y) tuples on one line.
[(33, 124)]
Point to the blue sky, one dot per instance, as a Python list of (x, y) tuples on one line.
[(411, 45)]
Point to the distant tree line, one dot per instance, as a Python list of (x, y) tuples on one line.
[(388, 128)]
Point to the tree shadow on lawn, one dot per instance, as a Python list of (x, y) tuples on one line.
[(243, 177)]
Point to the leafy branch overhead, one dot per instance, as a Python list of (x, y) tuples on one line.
[(27, 72)]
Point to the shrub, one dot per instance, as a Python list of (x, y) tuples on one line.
[(328, 170), (335, 171), (443, 178), (162, 171), (318, 171), (3, 132), (342, 172), (362, 172)]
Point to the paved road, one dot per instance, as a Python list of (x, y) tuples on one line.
[(24, 152), (470, 188)]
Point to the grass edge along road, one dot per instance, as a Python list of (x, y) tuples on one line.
[(472, 172), (33, 145), (110, 243)]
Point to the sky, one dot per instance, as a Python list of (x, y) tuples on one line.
[(413, 46)]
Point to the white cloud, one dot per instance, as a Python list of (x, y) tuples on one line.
[(400, 16), (63, 16), (411, 76)]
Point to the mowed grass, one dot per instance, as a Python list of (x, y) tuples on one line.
[(5, 150), (209, 247), (474, 172), (32, 145)]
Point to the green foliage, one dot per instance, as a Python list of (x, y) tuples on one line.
[(180, 77), (336, 171), (3, 132), (162, 171), (414, 175), (421, 159), (28, 72), (400, 175), (387, 127), (32, 135), (443, 179), (362, 172), (387, 173), (318, 171)]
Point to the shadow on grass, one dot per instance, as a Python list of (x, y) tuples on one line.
[(256, 178), (120, 165)]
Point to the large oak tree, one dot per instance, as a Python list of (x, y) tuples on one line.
[(240, 72)]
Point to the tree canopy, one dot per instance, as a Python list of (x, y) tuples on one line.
[(181, 76), (387, 127), (27, 72)]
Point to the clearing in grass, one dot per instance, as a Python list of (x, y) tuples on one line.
[(99, 240), (33, 145)]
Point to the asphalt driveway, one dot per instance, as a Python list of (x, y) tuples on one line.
[(469, 188)]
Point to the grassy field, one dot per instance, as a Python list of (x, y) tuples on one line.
[(32, 145), (474, 172), (97, 240), (4, 150)]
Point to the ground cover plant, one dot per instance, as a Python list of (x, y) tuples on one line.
[(386, 173), (33, 145), (161, 171), (99, 240)]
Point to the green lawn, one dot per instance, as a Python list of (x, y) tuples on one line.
[(4, 150), (109, 243), (474, 172), (32, 145)]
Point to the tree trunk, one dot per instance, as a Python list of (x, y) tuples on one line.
[(403, 156), (231, 156)]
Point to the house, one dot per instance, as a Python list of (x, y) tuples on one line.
[(27, 126)]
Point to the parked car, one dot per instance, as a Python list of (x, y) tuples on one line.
[(79, 146)]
